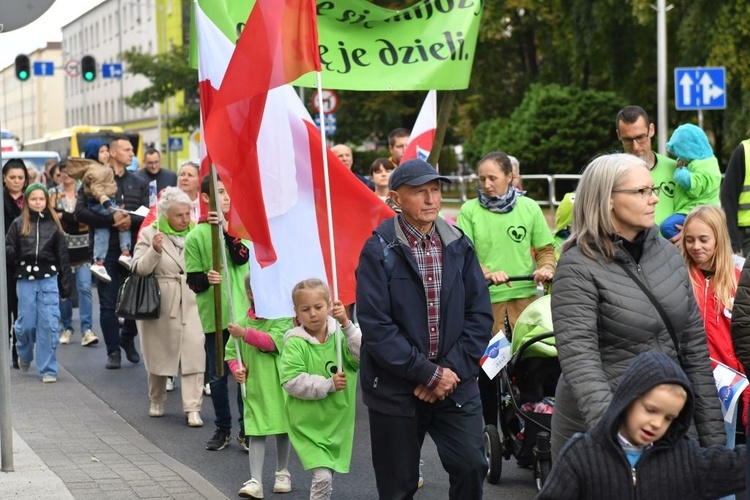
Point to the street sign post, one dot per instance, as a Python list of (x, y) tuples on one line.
[(330, 101), (330, 123), (73, 68), (113, 70), (44, 68), (700, 88)]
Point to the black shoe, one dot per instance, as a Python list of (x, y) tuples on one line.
[(113, 360), (15, 356), (128, 345), (220, 440), (242, 441)]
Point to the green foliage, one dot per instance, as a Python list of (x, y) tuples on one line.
[(555, 130), (169, 74)]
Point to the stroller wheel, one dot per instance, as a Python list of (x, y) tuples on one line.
[(542, 459), (493, 451)]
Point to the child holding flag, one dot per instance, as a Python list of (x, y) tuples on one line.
[(322, 394), (261, 343)]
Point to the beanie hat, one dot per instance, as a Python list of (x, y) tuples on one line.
[(34, 187), (92, 147), (689, 143)]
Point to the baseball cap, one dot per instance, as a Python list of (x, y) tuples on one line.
[(414, 173)]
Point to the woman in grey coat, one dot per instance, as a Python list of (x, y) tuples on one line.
[(603, 319)]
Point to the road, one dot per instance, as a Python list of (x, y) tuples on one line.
[(125, 391)]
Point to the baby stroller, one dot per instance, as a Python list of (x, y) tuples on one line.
[(526, 395)]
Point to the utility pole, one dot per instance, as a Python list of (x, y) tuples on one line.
[(119, 42), (661, 73)]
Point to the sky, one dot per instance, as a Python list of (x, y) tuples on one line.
[(45, 29)]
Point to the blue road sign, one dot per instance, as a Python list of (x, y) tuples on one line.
[(113, 70), (330, 123), (44, 68), (700, 88), (175, 144)]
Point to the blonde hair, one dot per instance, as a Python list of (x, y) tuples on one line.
[(592, 216), (310, 284), (724, 282), (26, 213)]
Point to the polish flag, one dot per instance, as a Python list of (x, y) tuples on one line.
[(423, 133), (268, 153)]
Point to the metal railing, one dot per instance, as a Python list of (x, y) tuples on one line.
[(469, 183)]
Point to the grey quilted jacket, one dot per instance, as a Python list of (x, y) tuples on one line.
[(603, 320)]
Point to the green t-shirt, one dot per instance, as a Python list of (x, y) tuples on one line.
[(504, 242), (321, 430), (265, 400), (198, 258), (662, 176)]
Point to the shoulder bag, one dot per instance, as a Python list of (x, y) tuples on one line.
[(139, 297)]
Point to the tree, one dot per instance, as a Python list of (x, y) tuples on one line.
[(555, 130), (169, 74)]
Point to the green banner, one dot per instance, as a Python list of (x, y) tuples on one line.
[(427, 46)]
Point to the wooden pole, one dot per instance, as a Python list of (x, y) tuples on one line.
[(216, 259), (443, 118)]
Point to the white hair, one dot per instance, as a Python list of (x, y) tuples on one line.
[(172, 196)]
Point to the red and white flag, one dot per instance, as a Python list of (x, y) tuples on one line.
[(423, 134), (268, 153)]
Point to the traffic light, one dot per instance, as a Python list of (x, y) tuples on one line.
[(88, 68), (23, 67)]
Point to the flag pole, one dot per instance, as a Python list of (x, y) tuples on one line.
[(225, 269), (329, 212)]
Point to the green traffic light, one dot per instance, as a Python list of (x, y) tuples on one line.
[(23, 75), (88, 76)]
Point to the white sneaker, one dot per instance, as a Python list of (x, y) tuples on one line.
[(100, 272), (49, 379), (89, 338), (207, 389), (170, 384), (283, 483), (125, 261), (65, 336), (251, 489)]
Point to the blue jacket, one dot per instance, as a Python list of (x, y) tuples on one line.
[(392, 315)]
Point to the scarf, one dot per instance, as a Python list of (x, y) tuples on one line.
[(500, 204), (161, 224)]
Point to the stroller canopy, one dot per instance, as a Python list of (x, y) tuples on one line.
[(534, 321)]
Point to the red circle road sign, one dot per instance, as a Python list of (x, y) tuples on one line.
[(73, 67), (330, 101)]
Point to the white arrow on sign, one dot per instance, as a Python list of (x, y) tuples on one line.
[(687, 84), (709, 90)]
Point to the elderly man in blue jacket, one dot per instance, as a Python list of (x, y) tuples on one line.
[(425, 315)]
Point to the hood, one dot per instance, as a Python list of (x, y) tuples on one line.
[(91, 149), (648, 370), (689, 143), (77, 167), (564, 212), (299, 331)]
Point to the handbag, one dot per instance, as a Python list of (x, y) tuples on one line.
[(660, 310), (139, 297)]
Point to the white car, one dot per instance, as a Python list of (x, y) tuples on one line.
[(9, 142)]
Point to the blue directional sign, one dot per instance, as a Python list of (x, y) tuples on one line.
[(330, 123), (44, 68), (113, 70), (175, 144), (700, 88)]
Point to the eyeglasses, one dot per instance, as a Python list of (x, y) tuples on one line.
[(644, 192), (641, 139)]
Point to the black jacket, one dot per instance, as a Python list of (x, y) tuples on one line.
[(42, 253), (132, 192), (11, 210), (594, 466)]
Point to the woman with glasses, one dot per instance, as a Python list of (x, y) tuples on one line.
[(620, 289), (512, 238)]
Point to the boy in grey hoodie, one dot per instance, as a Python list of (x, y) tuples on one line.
[(640, 448)]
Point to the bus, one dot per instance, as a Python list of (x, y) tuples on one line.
[(70, 141)]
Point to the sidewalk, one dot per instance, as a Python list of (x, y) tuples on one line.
[(67, 443)]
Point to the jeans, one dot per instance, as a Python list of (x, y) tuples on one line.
[(82, 275), (219, 387), (458, 434), (38, 323), (108, 321), (101, 234)]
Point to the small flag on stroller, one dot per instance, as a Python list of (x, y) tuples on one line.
[(730, 385), (496, 356)]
